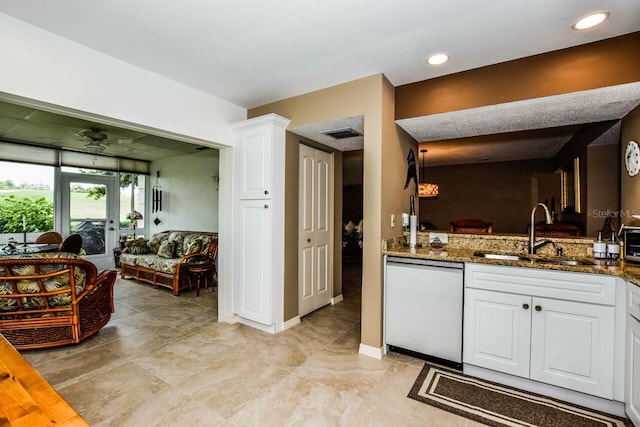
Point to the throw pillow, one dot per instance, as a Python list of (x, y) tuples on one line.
[(178, 238), (192, 244), (166, 249), (156, 240), (137, 246)]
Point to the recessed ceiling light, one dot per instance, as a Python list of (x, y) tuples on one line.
[(438, 58), (590, 21)]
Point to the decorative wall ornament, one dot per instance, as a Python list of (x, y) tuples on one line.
[(156, 191), (412, 170)]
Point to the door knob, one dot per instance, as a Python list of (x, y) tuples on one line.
[(538, 308), (525, 306)]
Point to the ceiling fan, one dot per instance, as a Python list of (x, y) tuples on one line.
[(97, 140)]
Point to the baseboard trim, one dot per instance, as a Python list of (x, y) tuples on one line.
[(291, 323), (264, 328), (336, 299), (367, 350), (231, 318)]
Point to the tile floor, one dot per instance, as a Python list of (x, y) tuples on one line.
[(166, 361)]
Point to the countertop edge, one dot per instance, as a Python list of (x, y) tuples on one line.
[(629, 272)]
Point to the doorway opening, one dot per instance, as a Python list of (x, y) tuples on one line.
[(352, 221)]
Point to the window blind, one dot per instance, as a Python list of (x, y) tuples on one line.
[(25, 153)]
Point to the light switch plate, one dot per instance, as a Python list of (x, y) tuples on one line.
[(444, 237)]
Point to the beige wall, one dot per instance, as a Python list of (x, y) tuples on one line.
[(502, 193), (629, 186), (373, 98)]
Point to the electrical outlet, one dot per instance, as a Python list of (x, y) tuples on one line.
[(393, 220)]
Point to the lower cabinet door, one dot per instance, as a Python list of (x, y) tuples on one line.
[(496, 331), (632, 376), (252, 287), (572, 345)]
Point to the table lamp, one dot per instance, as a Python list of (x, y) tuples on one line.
[(134, 216)]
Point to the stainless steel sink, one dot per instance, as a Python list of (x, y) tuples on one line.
[(502, 257), (561, 261)]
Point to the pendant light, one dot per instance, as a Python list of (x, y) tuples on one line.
[(426, 189)]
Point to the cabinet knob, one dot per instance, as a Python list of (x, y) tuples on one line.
[(308, 240), (525, 306), (266, 206), (266, 191), (538, 308)]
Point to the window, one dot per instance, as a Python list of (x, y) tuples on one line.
[(26, 198), (132, 197)]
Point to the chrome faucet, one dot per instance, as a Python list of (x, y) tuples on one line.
[(533, 245)]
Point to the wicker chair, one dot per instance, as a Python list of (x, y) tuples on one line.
[(68, 300), (49, 237), (72, 244)]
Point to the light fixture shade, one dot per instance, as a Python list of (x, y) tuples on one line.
[(134, 215), (427, 189)]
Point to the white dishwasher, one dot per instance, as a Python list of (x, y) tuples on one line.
[(423, 308)]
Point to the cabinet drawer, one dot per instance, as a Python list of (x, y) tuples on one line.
[(579, 287), (633, 300)]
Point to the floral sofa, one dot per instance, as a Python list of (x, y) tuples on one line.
[(52, 299), (164, 260)]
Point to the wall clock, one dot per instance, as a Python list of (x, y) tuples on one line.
[(632, 158)]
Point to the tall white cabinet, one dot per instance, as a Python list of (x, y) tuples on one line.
[(258, 221)]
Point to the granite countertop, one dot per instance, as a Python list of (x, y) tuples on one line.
[(627, 271)]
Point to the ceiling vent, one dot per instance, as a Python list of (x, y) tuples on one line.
[(342, 133)]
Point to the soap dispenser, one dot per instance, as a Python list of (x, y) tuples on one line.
[(599, 247), (613, 248)]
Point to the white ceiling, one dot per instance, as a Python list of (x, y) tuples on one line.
[(254, 52), (251, 53)]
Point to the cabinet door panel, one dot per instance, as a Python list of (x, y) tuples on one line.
[(632, 377), (496, 331), (572, 345), (255, 165), (252, 273)]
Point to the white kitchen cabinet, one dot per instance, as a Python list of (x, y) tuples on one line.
[(258, 222), (632, 376), (549, 326), (496, 332), (253, 259), (255, 165), (572, 345)]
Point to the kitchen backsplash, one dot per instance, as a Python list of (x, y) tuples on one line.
[(571, 247)]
